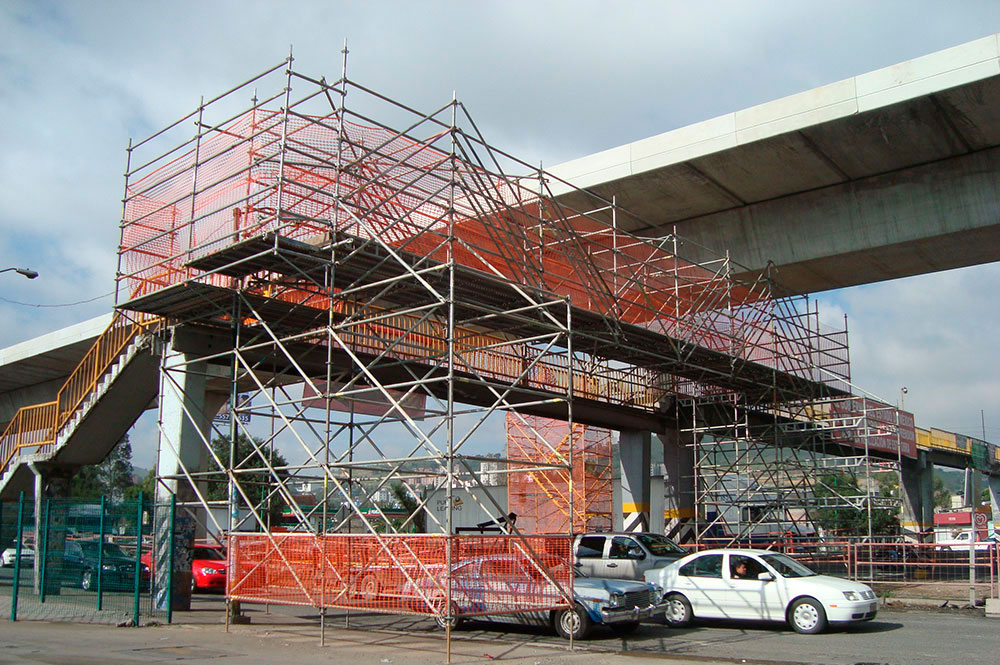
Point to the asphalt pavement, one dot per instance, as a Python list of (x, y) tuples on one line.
[(905, 636)]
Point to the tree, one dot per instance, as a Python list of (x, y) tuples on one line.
[(849, 520), (112, 477), (256, 484), (147, 486), (942, 495), (410, 504)]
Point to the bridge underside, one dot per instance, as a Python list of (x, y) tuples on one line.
[(884, 175)]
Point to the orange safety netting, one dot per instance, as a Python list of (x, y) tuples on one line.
[(400, 191), (403, 574), (876, 426), (329, 180), (541, 497)]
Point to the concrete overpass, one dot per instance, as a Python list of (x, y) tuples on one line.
[(884, 175), (34, 370)]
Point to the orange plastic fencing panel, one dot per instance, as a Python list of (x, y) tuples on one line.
[(403, 574)]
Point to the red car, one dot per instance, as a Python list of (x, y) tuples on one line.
[(208, 567)]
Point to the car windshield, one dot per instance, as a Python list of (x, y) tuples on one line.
[(110, 550), (660, 545), (787, 567), (209, 554)]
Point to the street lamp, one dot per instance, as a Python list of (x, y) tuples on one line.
[(27, 272), (902, 393)]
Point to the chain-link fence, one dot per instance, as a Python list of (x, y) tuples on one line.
[(82, 560)]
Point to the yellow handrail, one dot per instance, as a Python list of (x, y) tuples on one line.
[(37, 426)]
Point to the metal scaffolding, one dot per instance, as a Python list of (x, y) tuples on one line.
[(376, 295)]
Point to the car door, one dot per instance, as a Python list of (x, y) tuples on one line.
[(590, 555), (746, 597), (625, 556), (702, 582)]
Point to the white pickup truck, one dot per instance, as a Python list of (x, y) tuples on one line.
[(959, 542), (625, 556)]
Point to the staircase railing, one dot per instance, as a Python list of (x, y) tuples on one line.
[(35, 428)]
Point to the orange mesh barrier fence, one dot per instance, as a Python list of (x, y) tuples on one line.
[(541, 497), (886, 428), (184, 210), (403, 574), (310, 178)]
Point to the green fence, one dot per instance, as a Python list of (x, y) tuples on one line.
[(82, 560)]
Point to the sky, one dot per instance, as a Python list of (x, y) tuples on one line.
[(546, 81)]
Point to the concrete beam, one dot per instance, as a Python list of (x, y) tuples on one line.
[(883, 175), (923, 219)]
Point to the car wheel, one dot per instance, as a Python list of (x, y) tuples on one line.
[(440, 613), (624, 628), (679, 612), (87, 580), (369, 589), (807, 616), (573, 623)]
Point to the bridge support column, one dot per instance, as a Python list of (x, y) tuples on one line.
[(993, 484), (917, 480), (186, 412), (51, 482), (657, 494), (678, 485), (634, 457)]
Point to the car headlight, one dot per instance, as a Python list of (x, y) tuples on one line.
[(616, 600), (657, 594), (852, 595), (211, 571), (108, 566)]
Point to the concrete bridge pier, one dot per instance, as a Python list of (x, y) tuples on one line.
[(993, 485), (678, 485), (657, 497), (52, 482), (917, 480), (634, 458), (187, 408)]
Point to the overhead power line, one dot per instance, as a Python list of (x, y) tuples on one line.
[(65, 304)]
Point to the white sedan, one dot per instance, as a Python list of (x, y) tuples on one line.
[(759, 585), (9, 555)]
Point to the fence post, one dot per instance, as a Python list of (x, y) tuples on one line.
[(100, 560), (17, 557), (138, 559), (170, 560), (43, 550)]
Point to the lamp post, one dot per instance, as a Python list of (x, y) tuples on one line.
[(27, 272), (902, 395)]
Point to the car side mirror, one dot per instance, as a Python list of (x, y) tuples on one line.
[(636, 554), (765, 577), (577, 564)]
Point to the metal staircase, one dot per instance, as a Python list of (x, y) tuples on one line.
[(113, 383)]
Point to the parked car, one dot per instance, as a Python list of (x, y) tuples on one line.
[(500, 587), (759, 585), (9, 556), (208, 566), (959, 542), (624, 556), (80, 565)]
